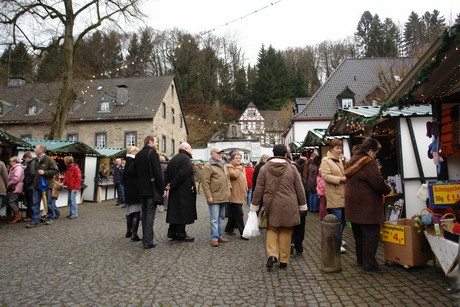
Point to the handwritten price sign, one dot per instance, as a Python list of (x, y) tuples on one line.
[(393, 234)]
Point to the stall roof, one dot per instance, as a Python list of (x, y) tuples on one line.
[(314, 138), (370, 111), (343, 125), (8, 139), (110, 151), (61, 146)]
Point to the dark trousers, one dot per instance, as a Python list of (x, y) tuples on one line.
[(177, 231), (235, 218), (29, 201), (298, 234), (367, 241), (148, 217)]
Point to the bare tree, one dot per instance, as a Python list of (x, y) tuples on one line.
[(67, 21)]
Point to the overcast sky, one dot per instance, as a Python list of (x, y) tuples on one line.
[(283, 23)]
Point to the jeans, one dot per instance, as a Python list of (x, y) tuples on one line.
[(313, 202), (249, 198), (73, 203), (339, 213), (216, 219), (120, 193), (37, 197)]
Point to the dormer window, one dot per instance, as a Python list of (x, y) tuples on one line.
[(105, 103), (346, 99), (32, 110), (347, 103)]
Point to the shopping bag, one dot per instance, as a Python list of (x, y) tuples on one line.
[(251, 229)]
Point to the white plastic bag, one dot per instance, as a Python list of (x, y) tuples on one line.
[(251, 229)]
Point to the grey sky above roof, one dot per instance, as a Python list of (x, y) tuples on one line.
[(361, 76)]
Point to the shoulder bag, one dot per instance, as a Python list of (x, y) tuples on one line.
[(157, 197)]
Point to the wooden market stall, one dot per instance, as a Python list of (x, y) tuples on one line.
[(435, 79), (403, 156), (9, 147), (103, 186), (82, 154)]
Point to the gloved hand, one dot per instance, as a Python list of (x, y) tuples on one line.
[(253, 208), (303, 210)]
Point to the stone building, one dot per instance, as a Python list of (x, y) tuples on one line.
[(106, 112)]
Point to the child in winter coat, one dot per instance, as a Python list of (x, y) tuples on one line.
[(321, 194)]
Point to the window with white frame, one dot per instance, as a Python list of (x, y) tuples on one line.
[(173, 116), (173, 146), (101, 139), (181, 124), (347, 103), (130, 139), (72, 137)]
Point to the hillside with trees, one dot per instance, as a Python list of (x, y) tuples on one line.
[(213, 81)]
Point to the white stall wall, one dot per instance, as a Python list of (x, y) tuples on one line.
[(411, 185), (90, 174)]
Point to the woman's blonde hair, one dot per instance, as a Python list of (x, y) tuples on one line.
[(132, 150), (15, 159), (68, 160)]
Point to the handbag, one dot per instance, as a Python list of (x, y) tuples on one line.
[(263, 218), (263, 215), (157, 197)]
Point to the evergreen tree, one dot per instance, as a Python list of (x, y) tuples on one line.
[(145, 53), (273, 87), (17, 62), (51, 63), (132, 64)]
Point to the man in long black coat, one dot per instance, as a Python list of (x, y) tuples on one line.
[(180, 181), (148, 170)]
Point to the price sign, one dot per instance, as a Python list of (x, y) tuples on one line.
[(443, 194), (393, 234)]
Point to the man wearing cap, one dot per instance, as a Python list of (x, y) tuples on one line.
[(216, 188)]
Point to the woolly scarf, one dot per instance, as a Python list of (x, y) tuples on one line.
[(356, 166)]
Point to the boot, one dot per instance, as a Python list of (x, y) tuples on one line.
[(134, 236), (15, 218), (129, 225)]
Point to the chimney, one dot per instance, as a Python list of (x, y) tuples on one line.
[(122, 94), (15, 82)]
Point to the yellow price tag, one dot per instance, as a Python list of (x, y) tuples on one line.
[(393, 234)]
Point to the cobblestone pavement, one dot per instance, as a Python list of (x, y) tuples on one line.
[(88, 262)]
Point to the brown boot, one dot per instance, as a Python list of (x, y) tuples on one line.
[(15, 218)]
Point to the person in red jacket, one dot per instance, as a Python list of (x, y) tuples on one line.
[(72, 180), (249, 173)]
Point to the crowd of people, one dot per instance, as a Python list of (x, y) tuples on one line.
[(286, 189), (34, 184)]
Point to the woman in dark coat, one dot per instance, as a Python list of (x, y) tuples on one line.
[(180, 181), (132, 199), (363, 202)]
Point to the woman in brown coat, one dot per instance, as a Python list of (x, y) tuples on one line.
[(363, 202), (238, 194), (283, 200)]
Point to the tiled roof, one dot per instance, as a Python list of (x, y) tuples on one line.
[(360, 75), (144, 98)]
